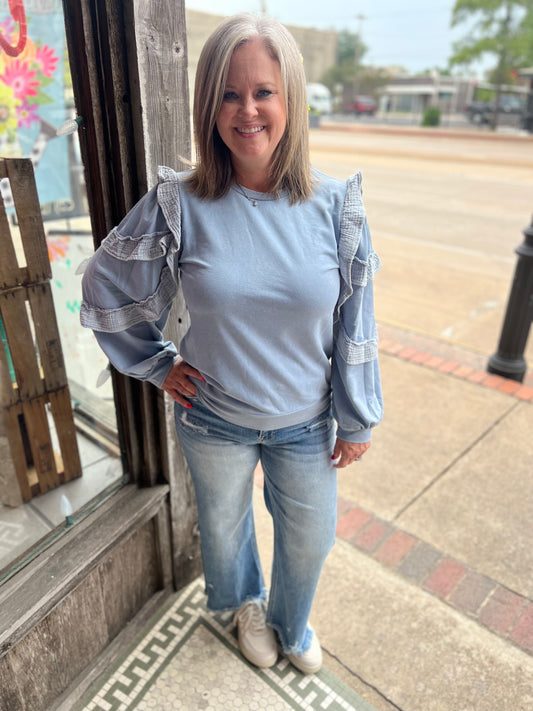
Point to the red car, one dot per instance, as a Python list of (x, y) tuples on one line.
[(362, 105)]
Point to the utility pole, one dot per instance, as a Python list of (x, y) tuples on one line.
[(359, 46), (358, 49)]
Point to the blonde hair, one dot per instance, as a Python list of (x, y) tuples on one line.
[(290, 169)]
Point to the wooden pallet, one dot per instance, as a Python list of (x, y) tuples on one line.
[(34, 393)]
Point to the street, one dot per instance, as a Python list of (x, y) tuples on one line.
[(446, 213)]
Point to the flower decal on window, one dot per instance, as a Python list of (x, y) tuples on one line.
[(23, 81), (8, 110)]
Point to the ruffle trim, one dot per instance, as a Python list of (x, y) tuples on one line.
[(168, 197), (150, 309), (354, 272), (351, 227), (363, 272), (152, 246), (145, 248), (354, 353)]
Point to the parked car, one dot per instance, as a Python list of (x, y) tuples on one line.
[(361, 105), (479, 112), (319, 98)]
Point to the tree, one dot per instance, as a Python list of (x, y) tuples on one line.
[(349, 72), (503, 28), (524, 42), (350, 49)]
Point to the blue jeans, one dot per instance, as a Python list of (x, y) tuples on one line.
[(300, 490)]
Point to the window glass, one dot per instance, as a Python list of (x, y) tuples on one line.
[(35, 101)]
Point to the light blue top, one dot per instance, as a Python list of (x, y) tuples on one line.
[(279, 297)]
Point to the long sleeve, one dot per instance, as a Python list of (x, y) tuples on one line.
[(355, 378), (130, 282)]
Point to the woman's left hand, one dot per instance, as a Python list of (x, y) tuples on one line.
[(347, 452)]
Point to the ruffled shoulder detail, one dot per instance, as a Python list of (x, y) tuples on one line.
[(351, 228), (145, 248), (356, 336), (149, 237), (152, 228), (168, 197)]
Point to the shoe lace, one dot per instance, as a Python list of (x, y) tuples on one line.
[(251, 616)]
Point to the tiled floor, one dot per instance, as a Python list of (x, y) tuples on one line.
[(187, 658), (24, 526)]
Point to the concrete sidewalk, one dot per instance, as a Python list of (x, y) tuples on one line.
[(426, 601)]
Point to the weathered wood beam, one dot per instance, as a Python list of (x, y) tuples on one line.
[(160, 93)]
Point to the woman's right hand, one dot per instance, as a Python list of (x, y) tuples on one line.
[(178, 383)]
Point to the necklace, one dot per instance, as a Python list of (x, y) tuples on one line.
[(254, 200)]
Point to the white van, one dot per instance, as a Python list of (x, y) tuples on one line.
[(319, 98)]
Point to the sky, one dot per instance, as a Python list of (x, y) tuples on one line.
[(414, 34)]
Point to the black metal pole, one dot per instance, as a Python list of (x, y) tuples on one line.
[(509, 360)]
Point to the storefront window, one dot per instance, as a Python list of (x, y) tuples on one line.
[(35, 100)]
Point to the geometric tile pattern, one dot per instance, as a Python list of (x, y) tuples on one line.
[(11, 536), (188, 659)]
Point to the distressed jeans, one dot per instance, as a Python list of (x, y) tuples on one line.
[(300, 490)]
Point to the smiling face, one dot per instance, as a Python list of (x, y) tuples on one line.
[(253, 115)]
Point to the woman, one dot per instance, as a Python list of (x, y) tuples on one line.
[(276, 266)]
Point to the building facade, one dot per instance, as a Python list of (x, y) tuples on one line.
[(318, 47)]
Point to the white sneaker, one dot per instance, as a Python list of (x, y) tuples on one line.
[(309, 662), (257, 641)]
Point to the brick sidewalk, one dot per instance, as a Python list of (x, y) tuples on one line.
[(499, 609), (449, 358)]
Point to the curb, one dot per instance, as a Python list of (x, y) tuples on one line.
[(473, 134)]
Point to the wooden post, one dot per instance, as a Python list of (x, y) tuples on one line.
[(162, 118)]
